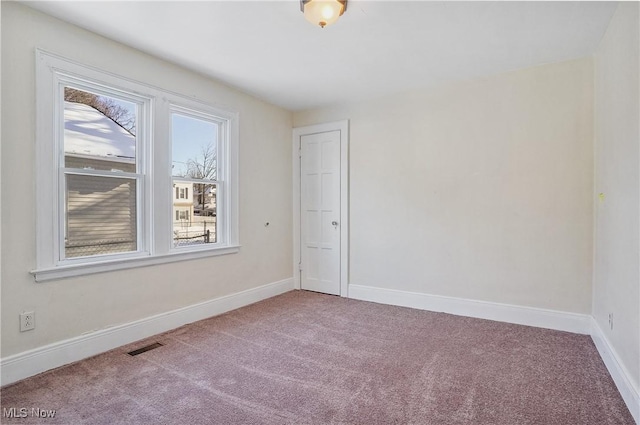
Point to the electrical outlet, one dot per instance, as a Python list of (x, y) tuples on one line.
[(611, 321), (27, 321)]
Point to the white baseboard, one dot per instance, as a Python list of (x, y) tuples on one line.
[(538, 317), (22, 365), (630, 394)]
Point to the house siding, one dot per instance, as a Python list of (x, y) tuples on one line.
[(101, 215)]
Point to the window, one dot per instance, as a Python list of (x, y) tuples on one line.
[(182, 193), (108, 149), (195, 147), (100, 173)]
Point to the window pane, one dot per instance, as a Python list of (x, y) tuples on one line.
[(194, 147), (195, 217), (99, 132), (100, 215)]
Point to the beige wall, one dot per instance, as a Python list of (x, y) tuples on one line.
[(617, 153), (71, 307), (480, 189)]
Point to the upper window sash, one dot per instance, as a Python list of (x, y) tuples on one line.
[(143, 104)]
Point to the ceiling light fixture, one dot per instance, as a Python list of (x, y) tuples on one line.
[(323, 12)]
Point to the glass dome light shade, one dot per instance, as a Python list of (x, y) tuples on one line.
[(323, 12)]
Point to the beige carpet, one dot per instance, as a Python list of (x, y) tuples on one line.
[(306, 358)]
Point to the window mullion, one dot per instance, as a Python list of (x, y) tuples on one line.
[(161, 189)]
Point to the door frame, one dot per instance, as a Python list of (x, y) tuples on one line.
[(298, 132)]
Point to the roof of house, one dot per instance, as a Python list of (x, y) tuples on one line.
[(90, 133)]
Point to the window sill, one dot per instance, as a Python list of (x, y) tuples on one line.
[(61, 272)]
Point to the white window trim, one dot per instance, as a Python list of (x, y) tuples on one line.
[(141, 175), (155, 244)]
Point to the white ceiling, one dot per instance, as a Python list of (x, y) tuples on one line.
[(268, 49)]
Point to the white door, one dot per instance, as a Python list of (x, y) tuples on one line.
[(320, 212)]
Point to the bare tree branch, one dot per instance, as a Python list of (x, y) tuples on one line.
[(108, 107), (205, 165)]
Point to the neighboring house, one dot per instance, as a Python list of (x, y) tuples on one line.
[(101, 213), (182, 202)]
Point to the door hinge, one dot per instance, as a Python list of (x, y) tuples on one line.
[(300, 266), (299, 153)]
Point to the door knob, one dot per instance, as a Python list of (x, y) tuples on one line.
[(334, 223)]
